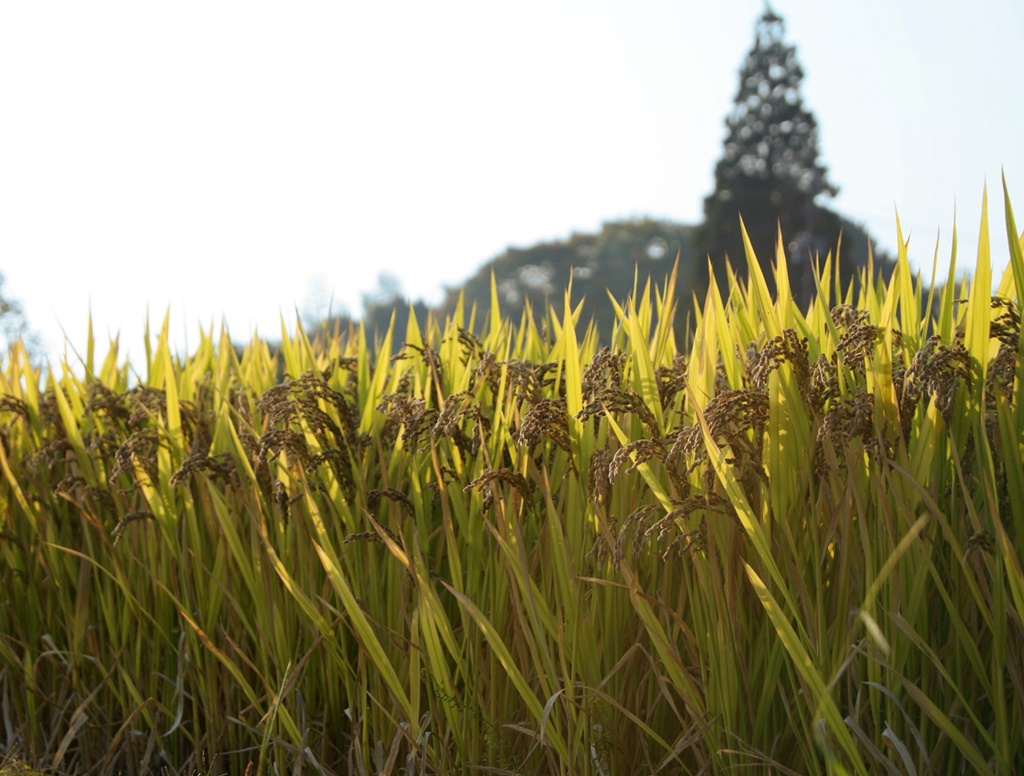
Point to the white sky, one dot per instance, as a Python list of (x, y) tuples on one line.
[(238, 160)]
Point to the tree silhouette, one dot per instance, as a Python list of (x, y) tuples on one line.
[(769, 172)]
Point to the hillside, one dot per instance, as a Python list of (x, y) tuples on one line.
[(602, 264)]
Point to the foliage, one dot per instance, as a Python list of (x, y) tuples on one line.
[(770, 173), (13, 326), (792, 542), (596, 266)]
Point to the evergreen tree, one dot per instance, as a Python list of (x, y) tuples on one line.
[(769, 172)]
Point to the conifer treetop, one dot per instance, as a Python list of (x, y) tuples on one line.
[(771, 145)]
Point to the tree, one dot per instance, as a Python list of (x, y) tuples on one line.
[(12, 322), (769, 173)]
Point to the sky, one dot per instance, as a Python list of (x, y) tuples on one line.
[(236, 162)]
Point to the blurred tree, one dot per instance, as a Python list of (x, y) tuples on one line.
[(770, 174), (597, 264), (389, 299), (389, 290), (12, 322), (378, 307)]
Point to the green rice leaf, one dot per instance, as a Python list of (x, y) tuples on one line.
[(501, 651), (804, 665), (363, 630)]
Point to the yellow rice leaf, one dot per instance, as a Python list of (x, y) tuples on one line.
[(759, 289), (783, 293), (643, 375), (1016, 246), (976, 339), (947, 309)]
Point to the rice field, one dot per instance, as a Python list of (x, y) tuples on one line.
[(791, 543)]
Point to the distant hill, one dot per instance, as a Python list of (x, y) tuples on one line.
[(598, 264), (608, 262)]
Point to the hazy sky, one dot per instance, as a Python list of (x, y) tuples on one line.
[(238, 160)]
